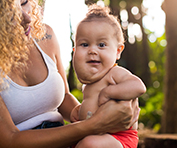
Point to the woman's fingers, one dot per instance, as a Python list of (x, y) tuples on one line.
[(114, 116), (136, 111)]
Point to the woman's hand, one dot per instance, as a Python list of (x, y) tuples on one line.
[(75, 114), (136, 111), (116, 116)]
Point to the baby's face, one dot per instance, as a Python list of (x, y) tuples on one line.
[(96, 50)]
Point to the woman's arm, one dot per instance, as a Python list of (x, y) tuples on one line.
[(57, 137), (110, 117)]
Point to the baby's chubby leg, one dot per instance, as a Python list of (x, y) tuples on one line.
[(99, 141)]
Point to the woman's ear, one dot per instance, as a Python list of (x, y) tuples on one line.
[(73, 49), (119, 50)]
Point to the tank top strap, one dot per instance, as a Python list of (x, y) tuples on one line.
[(49, 62)]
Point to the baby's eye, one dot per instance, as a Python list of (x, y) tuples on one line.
[(102, 45), (84, 44)]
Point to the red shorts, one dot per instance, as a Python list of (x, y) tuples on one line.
[(128, 138)]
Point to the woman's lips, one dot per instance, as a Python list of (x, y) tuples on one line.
[(27, 31)]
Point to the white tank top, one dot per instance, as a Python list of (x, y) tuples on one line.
[(30, 106)]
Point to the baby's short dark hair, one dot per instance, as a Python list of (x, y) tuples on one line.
[(98, 13)]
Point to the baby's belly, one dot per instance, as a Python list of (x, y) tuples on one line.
[(86, 108)]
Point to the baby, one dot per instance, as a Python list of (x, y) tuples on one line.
[(99, 42)]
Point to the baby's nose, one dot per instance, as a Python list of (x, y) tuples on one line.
[(92, 50)]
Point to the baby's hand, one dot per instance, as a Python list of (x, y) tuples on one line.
[(74, 117), (102, 98)]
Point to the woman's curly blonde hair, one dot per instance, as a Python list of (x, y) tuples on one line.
[(13, 41), (38, 28)]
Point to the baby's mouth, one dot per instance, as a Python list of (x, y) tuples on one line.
[(93, 61)]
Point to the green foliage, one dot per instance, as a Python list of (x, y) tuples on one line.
[(151, 108), (157, 55), (40, 2), (78, 94), (106, 2), (151, 102)]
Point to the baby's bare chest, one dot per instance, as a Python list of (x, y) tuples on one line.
[(92, 91)]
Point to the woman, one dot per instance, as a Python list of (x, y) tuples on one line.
[(34, 90)]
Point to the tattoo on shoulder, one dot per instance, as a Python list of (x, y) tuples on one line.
[(48, 36)]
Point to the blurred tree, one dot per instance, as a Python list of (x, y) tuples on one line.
[(169, 118), (136, 54), (71, 74)]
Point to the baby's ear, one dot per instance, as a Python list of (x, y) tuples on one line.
[(119, 50), (73, 49)]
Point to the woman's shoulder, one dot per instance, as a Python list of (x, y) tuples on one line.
[(51, 38), (49, 42), (49, 33), (49, 29)]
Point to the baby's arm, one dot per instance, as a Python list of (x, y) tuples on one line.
[(124, 86)]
